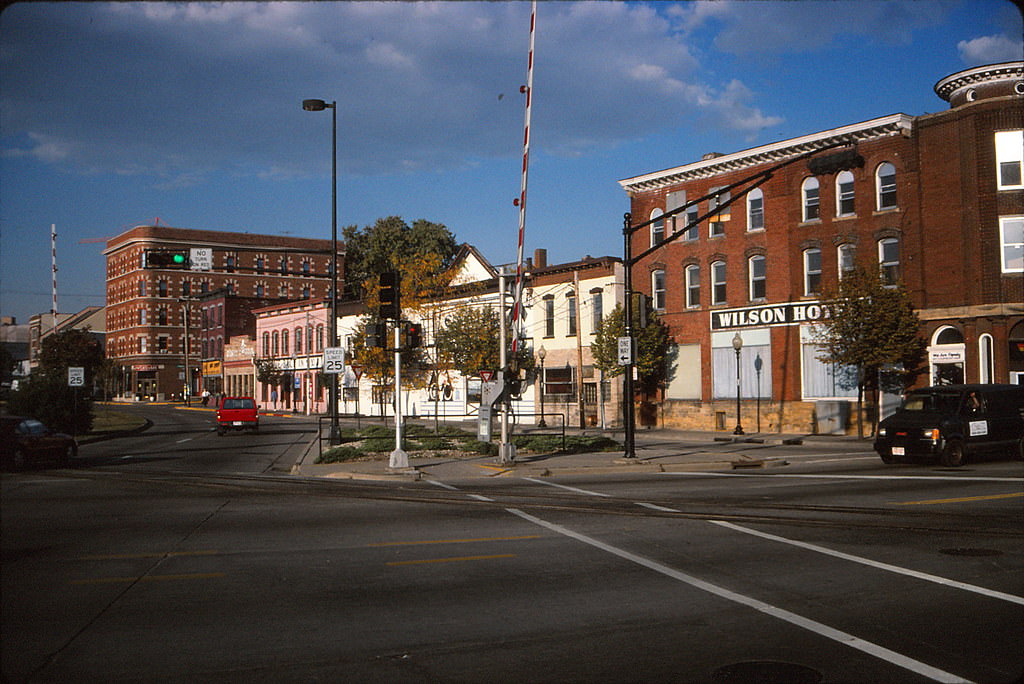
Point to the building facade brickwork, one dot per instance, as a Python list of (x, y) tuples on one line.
[(935, 201)]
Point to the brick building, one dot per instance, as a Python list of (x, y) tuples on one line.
[(936, 201), (146, 307)]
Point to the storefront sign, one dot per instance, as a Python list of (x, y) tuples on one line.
[(145, 367), (790, 313), (953, 354), (211, 368)]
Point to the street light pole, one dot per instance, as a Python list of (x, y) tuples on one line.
[(319, 106), (737, 344)]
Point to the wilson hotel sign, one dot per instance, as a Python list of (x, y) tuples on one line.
[(791, 313)]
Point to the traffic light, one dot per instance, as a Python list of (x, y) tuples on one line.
[(390, 307), (412, 335), (376, 335), (167, 258), (642, 306)]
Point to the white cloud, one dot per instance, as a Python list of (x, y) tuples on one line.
[(990, 50)]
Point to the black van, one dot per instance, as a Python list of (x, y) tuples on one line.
[(953, 423)]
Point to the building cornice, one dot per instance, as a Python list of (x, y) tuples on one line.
[(886, 126), (947, 87)]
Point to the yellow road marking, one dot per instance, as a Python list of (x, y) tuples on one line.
[(960, 500), (149, 578), (128, 556), (451, 560), (497, 469), (455, 541)]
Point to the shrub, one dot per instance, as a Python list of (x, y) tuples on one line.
[(340, 455), (483, 448), (49, 399)]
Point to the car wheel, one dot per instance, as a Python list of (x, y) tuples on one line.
[(20, 461), (221, 432), (65, 457), (887, 459), (1020, 450), (953, 456)]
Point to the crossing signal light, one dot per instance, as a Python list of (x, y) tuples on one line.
[(168, 259), (376, 335), (390, 307), (412, 334)]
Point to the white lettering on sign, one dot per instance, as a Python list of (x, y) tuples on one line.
[(792, 313), (978, 427)]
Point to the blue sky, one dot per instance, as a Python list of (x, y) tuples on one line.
[(116, 115)]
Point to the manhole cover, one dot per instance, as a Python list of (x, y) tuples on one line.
[(766, 672), (971, 552)]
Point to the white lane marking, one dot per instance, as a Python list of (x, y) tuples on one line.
[(656, 507), (841, 637), (478, 497), (571, 489), (443, 484), (875, 564), (187, 439), (851, 477)]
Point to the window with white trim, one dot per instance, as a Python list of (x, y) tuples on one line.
[(596, 309), (885, 186), (693, 286), (756, 271), (718, 291), (755, 210), (846, 255), (812, 271), (549, 316), (658, 227), (674, 200), (844, 194), (1010, 159), (1011, 237), (658, 289), (570, 304), (717, 223), (986, 365), (889, 260), (811, 199)]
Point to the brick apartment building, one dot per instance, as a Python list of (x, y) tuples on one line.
[(936, 201), (146, 307)]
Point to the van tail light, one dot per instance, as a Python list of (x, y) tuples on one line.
[(932, 434)]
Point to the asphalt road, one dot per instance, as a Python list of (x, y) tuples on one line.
[(161, 559)]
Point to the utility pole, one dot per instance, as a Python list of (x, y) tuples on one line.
[(399, 458), (579, 348)]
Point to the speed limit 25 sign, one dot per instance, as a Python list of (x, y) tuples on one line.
[(334, 360)]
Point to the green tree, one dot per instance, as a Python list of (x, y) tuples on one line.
[(469, 342), (652, 343), (47, 397), (390, 243), (871, 327), (71, 348)]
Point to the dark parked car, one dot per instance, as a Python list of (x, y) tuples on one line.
[(953, 423), (25, 441)]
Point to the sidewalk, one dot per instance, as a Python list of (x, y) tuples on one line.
[(659, 450)]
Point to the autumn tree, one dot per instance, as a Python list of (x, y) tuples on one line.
[(652, 347), (872, 327), (469, 341)]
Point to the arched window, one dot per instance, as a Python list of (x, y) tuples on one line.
[(885, 186), (298, 340), (277, 343), (811, 200), (570, 304), (658, 289), (718, 291), (889, 260), (658, 227), (755, 209), (756, 272), (319, 338), (844, 194), (284, 343), (846, 254), (812, 271), (693, 286), (266, 344)]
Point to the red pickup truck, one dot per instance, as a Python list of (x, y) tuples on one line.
[(237, 413)]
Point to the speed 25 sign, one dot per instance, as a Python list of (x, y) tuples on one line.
[(334, 360)]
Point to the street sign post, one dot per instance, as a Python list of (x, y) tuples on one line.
[(334, 360)]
